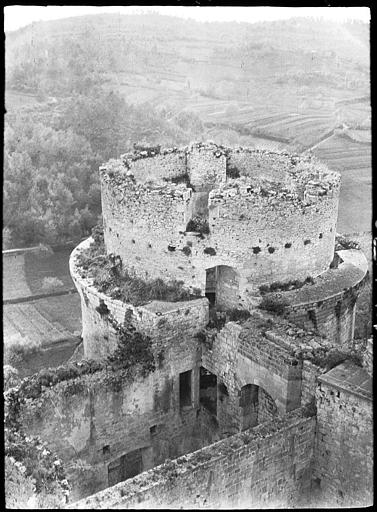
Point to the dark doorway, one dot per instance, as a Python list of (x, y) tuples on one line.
[(222, 287), (185, 389), (211, 276), (208, 390), (125, 467), (249, 406)]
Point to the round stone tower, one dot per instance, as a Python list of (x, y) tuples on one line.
[(213, 216)]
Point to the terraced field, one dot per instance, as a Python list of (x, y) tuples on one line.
[(353, 161), (42, 332), (36, 329), (47, 332)]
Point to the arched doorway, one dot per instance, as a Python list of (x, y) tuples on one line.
[(222, 287), (256, 406)]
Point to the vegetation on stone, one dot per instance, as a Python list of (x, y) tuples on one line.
[(35, 477), (274, 304), (116, 282), (334, 357), (199, 225), (293, 284)]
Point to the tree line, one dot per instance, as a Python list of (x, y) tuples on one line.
[(51, 159)]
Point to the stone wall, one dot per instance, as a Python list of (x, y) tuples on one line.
[(206, 166), (166, 165), (271, 238), (257, 164), (240, 355), (94, 420), (368, 356), (268, 466), (334, 318), (310, 373), (343, 468)]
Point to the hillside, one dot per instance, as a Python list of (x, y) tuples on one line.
[(279, 84)]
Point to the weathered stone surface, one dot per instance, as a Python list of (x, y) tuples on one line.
[(344, 441)]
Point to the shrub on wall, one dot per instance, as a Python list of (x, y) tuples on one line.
[(293, 284), (274, 304), (198, 225), (186, 250), (238, 315), (110, 278), (232, 172), (30, 464), (184, 178), (335, 357)]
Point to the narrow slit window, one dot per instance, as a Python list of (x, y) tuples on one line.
[(185, 389)]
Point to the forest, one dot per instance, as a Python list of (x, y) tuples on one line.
[(51, 181)]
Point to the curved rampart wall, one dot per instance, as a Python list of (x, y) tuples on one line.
[(169, 164), (257, 163), (333, 317), (165, 322), (329, 305), (272, 239)]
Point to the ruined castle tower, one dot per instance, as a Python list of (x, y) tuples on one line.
[(237, 224), (241, 387)]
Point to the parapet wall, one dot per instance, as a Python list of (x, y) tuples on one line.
[(94, 420), (268, 466), (170, 325), (329, 305), (275, 221), (168, 164)]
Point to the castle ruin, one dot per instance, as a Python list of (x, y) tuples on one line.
[(257, 395)]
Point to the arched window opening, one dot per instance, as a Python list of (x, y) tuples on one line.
[(256, 406)]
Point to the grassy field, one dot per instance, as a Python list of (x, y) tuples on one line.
[(14, 279), (42, 333), (44, 265)]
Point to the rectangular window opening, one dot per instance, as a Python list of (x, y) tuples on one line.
[(208, 390), (185, 389)]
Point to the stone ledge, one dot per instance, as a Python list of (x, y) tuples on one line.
[(332, 284), (350, 378)]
